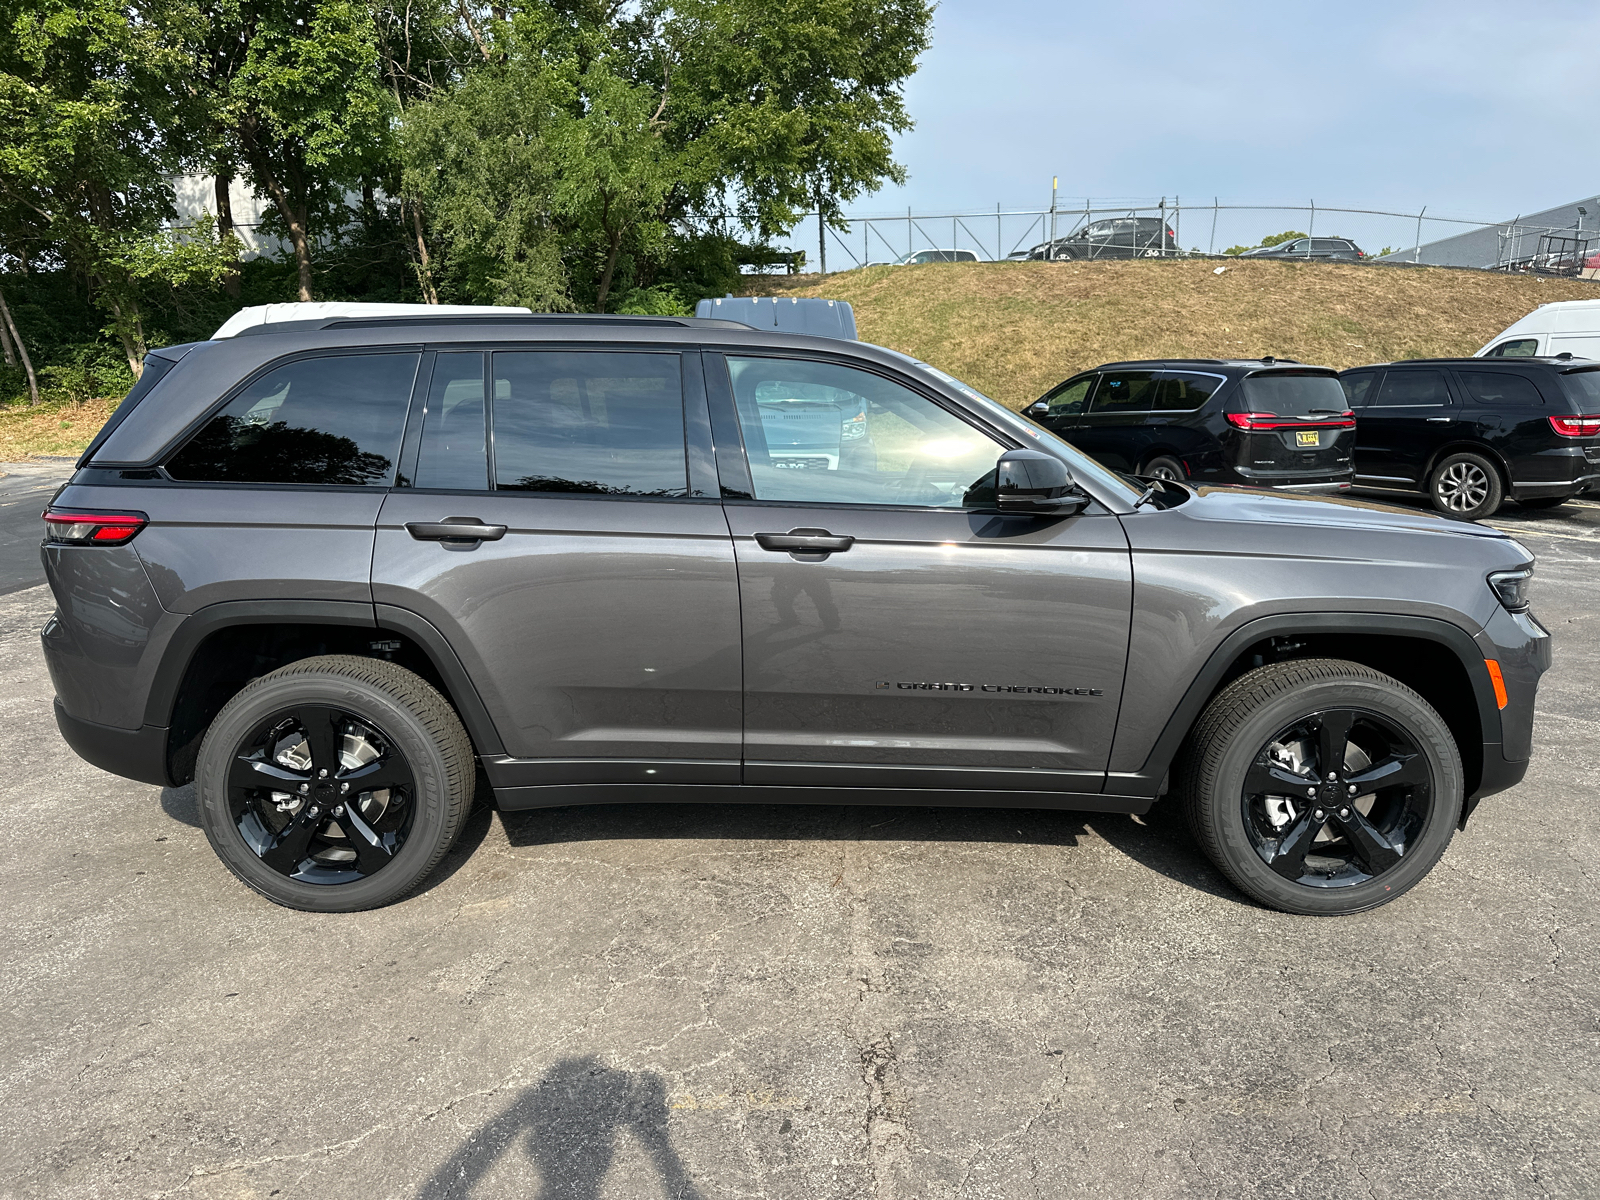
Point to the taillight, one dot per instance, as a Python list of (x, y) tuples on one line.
[(89, 527), (1251, 420), (1576, 426)]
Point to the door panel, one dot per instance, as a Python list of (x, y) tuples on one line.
[(1411, 414)]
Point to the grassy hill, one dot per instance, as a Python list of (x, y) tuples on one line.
[(1014, 329)]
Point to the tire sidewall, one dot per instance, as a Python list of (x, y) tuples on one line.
[(1224, 811), (246, 712), (1491, 501), (1179, 474)]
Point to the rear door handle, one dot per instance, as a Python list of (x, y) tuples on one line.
[(813, 541), (455, 529), (1439, 420)]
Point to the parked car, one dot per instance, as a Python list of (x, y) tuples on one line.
[(1120, 237), (367, 559), (1342, 249), (929, 256), (1259, 423), (1472, 432), (1562, 327)]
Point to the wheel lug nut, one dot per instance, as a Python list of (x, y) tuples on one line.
[(313, 811), (1319, 815), (344, 787), (338, 810), (1331, 777), (1344, 812), (322, 774), (1352, 789), (304, 788), (1311, 791)]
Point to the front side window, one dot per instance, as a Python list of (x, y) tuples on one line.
[(589, 422), (1181, 391), (1126, 392), (824, 433), (1516, 348), (1500, 388), (334, 420), (1413, 389), (1068, 399)]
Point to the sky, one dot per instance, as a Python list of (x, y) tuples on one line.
[(1476, 110)]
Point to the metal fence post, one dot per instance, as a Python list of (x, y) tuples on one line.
[(1416, 257), (1216, 205)]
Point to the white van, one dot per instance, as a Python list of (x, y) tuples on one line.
[(1564, 327)]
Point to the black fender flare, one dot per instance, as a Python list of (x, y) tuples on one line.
[(1146, 781)]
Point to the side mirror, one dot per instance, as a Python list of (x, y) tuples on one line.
[(1038, 410), (1032, 482)]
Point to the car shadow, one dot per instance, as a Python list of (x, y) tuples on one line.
[(568, 1126)]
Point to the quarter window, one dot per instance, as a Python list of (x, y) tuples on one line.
[(1180, 391), (1413, 389), (1500, 388), (828, 434), (595, 423), (334, 421)]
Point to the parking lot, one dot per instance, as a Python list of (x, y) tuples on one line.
[(765, 1001)]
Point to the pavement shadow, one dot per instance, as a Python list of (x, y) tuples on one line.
[(181, 804), (567, 1125)]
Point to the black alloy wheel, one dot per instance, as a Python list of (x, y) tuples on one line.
[(1320, 786), (321, 795), (1337, 798), (336, 783)]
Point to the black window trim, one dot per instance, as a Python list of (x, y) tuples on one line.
[(177, 445)]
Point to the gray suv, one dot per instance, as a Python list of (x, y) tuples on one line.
[(337, 571)]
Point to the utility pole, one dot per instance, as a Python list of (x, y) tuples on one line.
[(1055, 185)]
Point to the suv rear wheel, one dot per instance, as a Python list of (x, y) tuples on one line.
[(335, 784), (1466, 485), (1164, 466), (1320, 786)]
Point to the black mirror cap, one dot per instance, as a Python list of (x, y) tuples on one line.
[(1030, 481)]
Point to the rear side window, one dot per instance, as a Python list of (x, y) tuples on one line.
[(1330, 244), (1583, 388), (1413, 389), (589, 422), (454, 446), (1180, 391), (1500, 389), (1293, 394), (1126, 392), (1358, 387), (1515, 348), (334, 420)]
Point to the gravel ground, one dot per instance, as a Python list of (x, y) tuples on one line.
[(756, 1001)]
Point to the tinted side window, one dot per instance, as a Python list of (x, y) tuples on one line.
[(1125, 391), (1500, 388), (453, 452), (1413, 388), (831, 434), (1330, 244), (1068, 399), (1182, 392), (1515, 348), (333, 420), (1358, 387), (600, 423)]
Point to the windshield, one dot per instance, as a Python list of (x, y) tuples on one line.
[(1584, 389), (1083, 467), (1294, 394)]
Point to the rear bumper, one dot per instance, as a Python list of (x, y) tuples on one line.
[(138, 754)]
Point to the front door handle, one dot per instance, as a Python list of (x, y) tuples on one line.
[(1439, 420), (804, 541), (455, 529)]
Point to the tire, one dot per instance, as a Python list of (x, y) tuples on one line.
[(1164, 466), (1466, 485), (1544, 501), (294, 830), (1250, 734)]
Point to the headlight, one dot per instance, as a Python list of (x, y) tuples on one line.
[(1512, 587)]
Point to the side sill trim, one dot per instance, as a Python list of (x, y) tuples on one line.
[(506, 772), (871, 775), (519, 799)]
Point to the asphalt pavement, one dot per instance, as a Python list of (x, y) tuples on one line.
[(25, 489), (766, 1001)]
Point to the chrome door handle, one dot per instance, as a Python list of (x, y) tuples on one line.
[(1439, 420), (813, 541), (455, 529)]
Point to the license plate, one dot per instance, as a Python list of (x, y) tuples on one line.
[(1306, 438)]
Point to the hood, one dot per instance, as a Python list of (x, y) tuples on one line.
[(1249, 505)]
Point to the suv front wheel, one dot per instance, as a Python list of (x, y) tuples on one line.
[(335, 784), (1320, 786)]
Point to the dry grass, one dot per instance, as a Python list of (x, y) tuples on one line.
[(62, 427), (1014, 329)]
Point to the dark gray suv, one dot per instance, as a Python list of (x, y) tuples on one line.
[(333, 570)]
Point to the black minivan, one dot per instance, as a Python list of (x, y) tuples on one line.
[(1470, 432), (1257, 422)]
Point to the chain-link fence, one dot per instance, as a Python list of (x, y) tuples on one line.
[(1172, 227)]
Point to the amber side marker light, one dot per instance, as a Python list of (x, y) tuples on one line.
[(1498, 680)]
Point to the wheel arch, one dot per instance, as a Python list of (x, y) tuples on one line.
[(1430, 656), (1481, 449), (221, 647)]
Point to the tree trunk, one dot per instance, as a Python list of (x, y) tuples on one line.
[(295, 219), (822, 233), (430, 294), (611, 265), (22, 349), (5, 345), (225, 227), (131, 331)]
